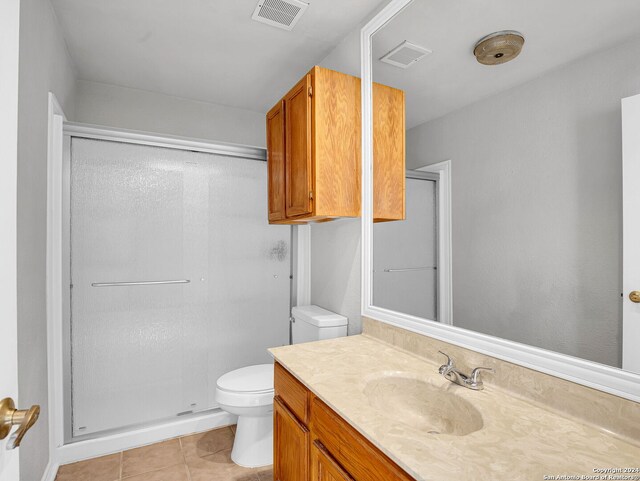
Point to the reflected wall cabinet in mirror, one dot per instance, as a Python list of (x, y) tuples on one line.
[(314, 150), (522, 182)]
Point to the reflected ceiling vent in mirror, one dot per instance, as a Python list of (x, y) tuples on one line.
[(499, 47), (279, 13), (405, 55)]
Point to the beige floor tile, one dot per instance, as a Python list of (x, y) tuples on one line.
[(206, 444), (105, 468), (219, 467), (151, 458), (172, 473), (265, 474)]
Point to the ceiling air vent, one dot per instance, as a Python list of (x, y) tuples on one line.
[(405, 55), (279, 13)]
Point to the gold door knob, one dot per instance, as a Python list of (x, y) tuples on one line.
[(10, 416), (635, 296)]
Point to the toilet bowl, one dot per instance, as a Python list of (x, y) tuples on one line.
[(248, 392)]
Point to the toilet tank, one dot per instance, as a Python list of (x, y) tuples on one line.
[(313, 323)]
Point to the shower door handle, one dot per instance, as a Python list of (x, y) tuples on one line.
[(139, 283), (409, 269)]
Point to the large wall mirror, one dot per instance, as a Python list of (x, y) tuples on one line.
[(522, 197)]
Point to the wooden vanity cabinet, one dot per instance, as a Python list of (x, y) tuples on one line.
[(290, 442), (312, 442), (324, 467), (314, 150)]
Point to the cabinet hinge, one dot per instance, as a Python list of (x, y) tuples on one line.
[(311, 195), (310, 91)]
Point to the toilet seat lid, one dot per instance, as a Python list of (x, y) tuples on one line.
[(257, 378)]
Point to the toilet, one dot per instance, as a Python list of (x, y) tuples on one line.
[(248, 392)]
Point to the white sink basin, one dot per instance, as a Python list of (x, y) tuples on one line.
[(422, 405)]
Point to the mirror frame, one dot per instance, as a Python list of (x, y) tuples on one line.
[(588, 373)]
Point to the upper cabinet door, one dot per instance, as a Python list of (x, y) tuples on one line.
[(276, 162), (299, 181), (388, 153)]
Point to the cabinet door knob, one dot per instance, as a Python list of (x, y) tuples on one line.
[(10, 416), (635, 296)]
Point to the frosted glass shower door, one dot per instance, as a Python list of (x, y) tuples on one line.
[(405, 276), (141, 353)]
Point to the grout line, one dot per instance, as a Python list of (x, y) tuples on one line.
[(184, 459)]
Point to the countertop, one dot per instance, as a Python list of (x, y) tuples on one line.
[(519, 440)]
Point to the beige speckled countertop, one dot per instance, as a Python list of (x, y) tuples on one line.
[(519, 440)]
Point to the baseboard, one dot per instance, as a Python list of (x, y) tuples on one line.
[(114, 443), (51, 471)]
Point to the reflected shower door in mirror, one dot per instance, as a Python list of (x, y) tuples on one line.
[(530, 120), (405, 254)]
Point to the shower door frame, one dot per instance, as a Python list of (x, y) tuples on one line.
[(64, 448)]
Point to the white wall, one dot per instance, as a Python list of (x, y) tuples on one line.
[(345, 57), (335, 269), (113, 106), (44, 66), (536, 192)]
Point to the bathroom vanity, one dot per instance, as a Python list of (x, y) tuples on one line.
[(312, 441), (360, 408)]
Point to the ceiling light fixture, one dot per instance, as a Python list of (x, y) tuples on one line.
[(499, 47)]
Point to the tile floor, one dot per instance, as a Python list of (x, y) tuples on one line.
[(199, 457)]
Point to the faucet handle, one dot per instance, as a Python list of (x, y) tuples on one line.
[(473, 379), (448, 365)]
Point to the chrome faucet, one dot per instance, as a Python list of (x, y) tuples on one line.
[(450, 372)]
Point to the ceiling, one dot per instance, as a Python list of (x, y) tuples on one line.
[(203, 50), (556, 32)]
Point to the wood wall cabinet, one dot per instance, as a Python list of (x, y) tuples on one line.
[(388, 154), (314, 151), (331, 448), (275, 164)]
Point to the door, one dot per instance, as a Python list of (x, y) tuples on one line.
[(174, 273), (631, 233), (324, 467), (275, 162), (405, 253), (9, 25), (297, 106), (290, 445)]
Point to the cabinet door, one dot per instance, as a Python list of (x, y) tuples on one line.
[(324, 467), (290, 445), (388, 154), (275, 162), (298, 161)]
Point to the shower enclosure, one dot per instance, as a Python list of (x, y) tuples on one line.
[(175, 277), (405, 253)]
